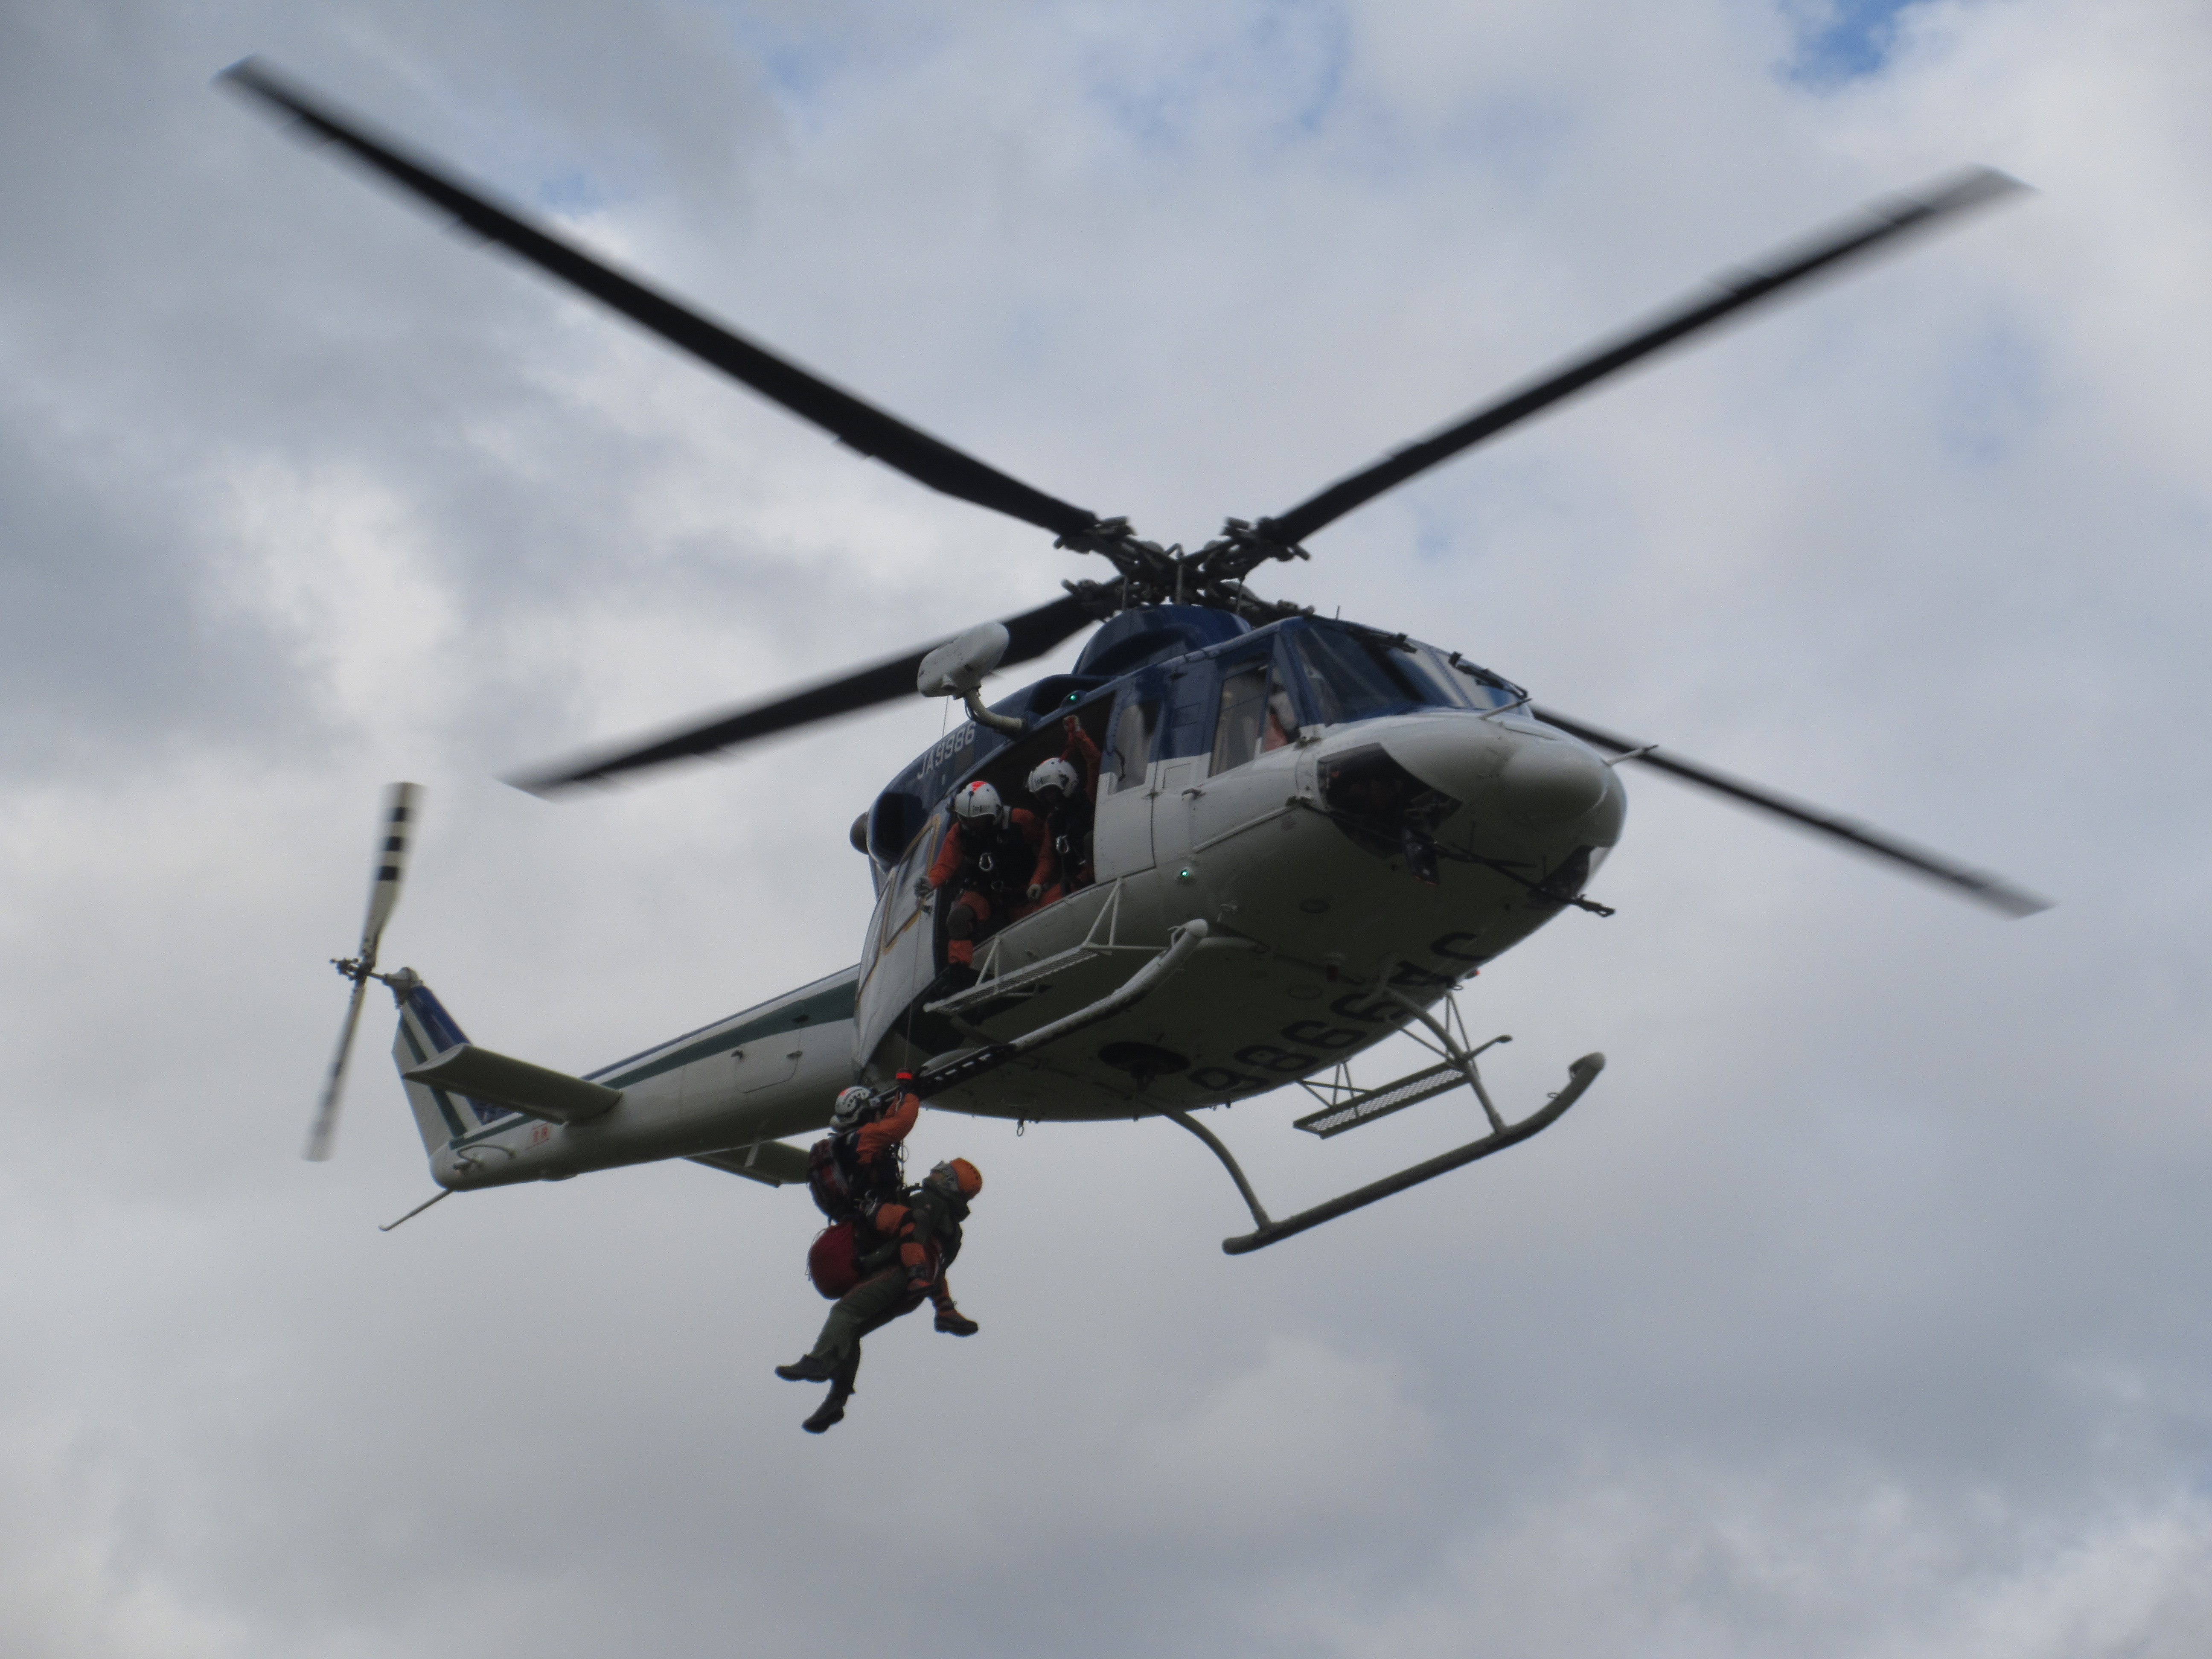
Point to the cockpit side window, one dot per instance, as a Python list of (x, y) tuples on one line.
[(1282, 716), (1129, 750), (1244, 711), (1256, 714)]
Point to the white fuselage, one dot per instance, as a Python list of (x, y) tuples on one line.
[(1310, 931), (1319, 937)]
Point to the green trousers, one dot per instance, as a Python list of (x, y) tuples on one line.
[(867, 1308)]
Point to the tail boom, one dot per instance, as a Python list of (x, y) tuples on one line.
[(742, 1083)]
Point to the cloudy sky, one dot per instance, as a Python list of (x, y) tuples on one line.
[(1858, 1312)]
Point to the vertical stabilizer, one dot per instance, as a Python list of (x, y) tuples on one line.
[(427, 1029)]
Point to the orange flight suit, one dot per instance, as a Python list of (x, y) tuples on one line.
[(954, 859), (1048, 875)]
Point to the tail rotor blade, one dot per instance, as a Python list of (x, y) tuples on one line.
[(325, 1128), (395, 834), (399, 827)]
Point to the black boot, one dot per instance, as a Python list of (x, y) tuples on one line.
[(809, 1368), (953, 1322), (831, 1410)]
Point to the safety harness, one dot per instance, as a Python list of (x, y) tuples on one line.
[(843, 1186), (999, 856), (1068, 826)]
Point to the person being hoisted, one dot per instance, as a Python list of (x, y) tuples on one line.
[(920, 1237), (1067, 800), (985, 861), (860, 1167)]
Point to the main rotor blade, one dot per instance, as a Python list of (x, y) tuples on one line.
[(1977, 884), (1878, 223), (857, 424), (325, 1128), (1029, 634)]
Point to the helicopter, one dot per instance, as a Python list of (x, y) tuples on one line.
[(1305, 835)]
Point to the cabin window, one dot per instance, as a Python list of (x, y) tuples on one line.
[(892, 825), (1283, 724), (1131, 749), (1254, 717), (900, 901)]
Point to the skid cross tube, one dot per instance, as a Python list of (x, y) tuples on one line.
[(1458, 1052), (1580, 1076)]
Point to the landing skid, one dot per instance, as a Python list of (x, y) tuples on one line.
[(1345, 1108), (1459, 1067)]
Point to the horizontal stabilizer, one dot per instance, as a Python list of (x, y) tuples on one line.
[(533, 1090), (775, 1161)]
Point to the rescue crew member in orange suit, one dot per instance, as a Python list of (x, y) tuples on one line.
[(922, 1237), (858, 1164), (988, 850), (1067, 801)]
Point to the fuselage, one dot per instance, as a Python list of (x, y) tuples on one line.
[(1360, 820)]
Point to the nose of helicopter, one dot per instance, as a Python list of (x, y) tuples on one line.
[(1534, 781), (1545, 784)]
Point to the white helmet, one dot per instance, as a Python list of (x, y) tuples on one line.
[(850, 1104), (978, 801), (1054, 774)]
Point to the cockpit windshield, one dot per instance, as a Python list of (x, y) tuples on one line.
[(1352, 676), (1460, 684)]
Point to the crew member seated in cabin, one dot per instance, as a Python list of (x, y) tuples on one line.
[(987, 855), (920, 1236), (1067, 801)]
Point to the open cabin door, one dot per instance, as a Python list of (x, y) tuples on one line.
[(900, 959)]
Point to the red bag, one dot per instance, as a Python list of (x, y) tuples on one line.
[(831, 1261)]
